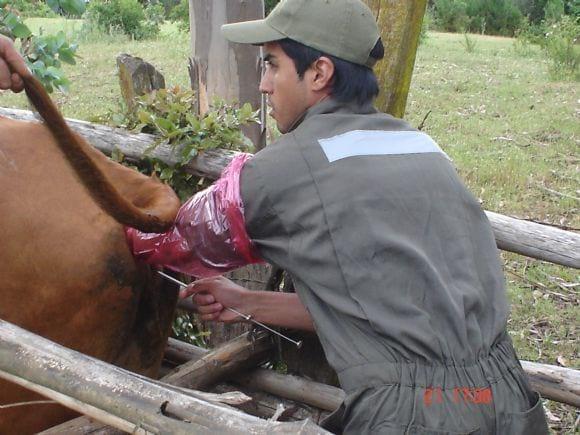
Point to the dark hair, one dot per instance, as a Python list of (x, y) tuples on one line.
[(351, 82)]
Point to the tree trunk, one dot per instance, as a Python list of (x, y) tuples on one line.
[(400, 26), (219, 68)]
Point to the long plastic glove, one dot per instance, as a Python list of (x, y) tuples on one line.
[(209, 235)]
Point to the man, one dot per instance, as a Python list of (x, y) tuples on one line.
[(394, 262)]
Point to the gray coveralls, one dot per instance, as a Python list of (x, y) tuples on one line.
[(398, 267)]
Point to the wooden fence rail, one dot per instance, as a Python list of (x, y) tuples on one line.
[(515, 235), (127, 401)]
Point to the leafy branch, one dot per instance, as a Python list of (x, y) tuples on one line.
[(44, 54), (171, 114)]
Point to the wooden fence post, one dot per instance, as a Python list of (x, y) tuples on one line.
[(219, 68)]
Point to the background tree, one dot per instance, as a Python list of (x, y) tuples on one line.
[(400, 25), (553, 10)]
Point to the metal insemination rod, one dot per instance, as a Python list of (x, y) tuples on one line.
[(247, 317)]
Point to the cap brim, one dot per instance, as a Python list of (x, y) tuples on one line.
[(251, 32)]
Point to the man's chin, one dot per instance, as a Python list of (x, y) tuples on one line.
[(282, 129)]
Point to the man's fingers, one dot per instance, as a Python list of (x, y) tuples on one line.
[(191, 289), (210, 309), (199, 286), (5, 81), (221, 316), (17, 83), (12, 66), (203, 299), (15, 62), (210, 317)]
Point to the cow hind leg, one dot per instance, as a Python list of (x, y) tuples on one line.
[(145, 344)]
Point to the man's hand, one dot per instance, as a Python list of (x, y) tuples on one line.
[(212, 295), (12, 66)]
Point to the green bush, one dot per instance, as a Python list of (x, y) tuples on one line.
[(125, 16), (533, 10), (469, 43), (553, 10), (527, 37), (155, 13), (168, 6), (495, 17), (171, 114), (561, 45), (31, 8), (573, 8), (44, 54), (180, 15), (450, 15), (270, 4)]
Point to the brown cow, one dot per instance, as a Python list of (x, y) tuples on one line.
[(66, 271)]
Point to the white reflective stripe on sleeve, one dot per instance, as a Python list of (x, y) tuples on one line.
[(377, 142)]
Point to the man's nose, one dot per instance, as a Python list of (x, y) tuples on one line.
[(265, 87)]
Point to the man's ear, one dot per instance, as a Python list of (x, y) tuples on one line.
[(322, 73)]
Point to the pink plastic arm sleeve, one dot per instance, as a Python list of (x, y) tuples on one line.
[(209, 235)]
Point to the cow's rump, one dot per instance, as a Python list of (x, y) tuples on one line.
[(66, 271)]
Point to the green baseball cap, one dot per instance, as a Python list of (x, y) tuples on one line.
[(342, 28)]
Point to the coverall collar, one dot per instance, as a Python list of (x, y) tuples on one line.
[(330, 105)]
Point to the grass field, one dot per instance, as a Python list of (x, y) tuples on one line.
[(513, 134)]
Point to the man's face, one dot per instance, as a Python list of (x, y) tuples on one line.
[(288, 96)]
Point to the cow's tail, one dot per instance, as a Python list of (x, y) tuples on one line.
[(99, 186)]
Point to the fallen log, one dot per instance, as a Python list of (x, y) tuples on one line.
[(289, 387), (293, 388), (221, 363), (266, 405), (71, 378), (179, 352), (515, 235)]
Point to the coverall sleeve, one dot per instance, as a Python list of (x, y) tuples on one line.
[(209, 235)]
